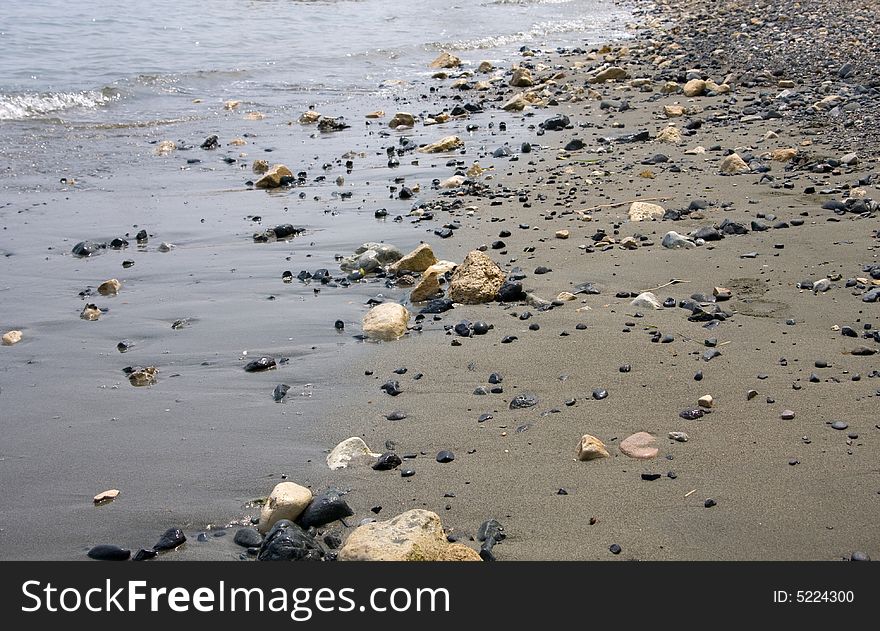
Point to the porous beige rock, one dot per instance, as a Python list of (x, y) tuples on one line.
[(522, 78), (272, 178), (386, 321), (694, 87), (90, 312), (416, 535), (11, 337), (349, 450), (783, 155), (562, 234), (449, 143), (641, 211), (165, 147), (670, 87), (260, 166), (427, 287), (516, 103), (614, 73), (418, 260), (640, 445), (109, 287), (671, 135), (286, 501), (310, 117), (591, 448), (733, 165), (673, 111), (476, 280), (402, 119), (485, 67), (143, 377), (446, 60), (565, 296)]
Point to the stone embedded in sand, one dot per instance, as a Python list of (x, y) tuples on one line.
[(717, 88), (562, 234), (274, 177), (475, 171), (143, 376), (402, 119), (286, 501), (476, 280), (613, 73), (238, 142), (675, 241), (671, 135), (516, 103), (640, 445), (733, 165), (427, 288), (11, 337), (369, 257), (673, 111), (522, 78), (694, 87), (310, 117), (783, 155), (416, 535), (418, 260), (106, 496), (231, 104), (646, 300), (591, 448), (641, 211), (109, 287), (387, 321), (706, 401), (566, 296), (165, 147), (670, 87), (260, 166), (90, 312), (722, 293), (348, 450), (453, 182), (376, 114), (254, 116), (446, 60), (485, 67), (449, 143)]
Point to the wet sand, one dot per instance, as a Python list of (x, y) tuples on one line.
[(211, 438)]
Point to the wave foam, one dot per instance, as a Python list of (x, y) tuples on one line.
[(30, 105)]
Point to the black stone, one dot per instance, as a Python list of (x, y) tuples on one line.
[(407, 473), (325, 508), (106, 552), (170, 539), (511, 292), (709, 503), (88, 248), (440, 305), (395, 416), (445, 456), (261, 364), (480, 328), (248, 538), (600, 394), (144, 555), (288, 542), (691, 414), (211, 142), (614, 548), (523, 401), (650, 477), (280, 391), (556, 123), (388, 460), (391, 387)]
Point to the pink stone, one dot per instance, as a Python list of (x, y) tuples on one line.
[(640, 445)]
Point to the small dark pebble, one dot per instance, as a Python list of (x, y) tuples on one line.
[(105, 552), (386, 461), (614, 548), (709, 503), (445, 456)]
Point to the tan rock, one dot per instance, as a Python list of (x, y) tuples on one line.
[(165, 147), (475, 170), (694, 87), (254, 116), (706, 401), (286, 501), (733, 165), (641, 211), (109, 287), (309, 118), (671, 135), (783, 155), (562, 234), (482, 86), (516, 103), (673, 111), (438, 119), (613, 73), (376, 114), (416, 535), (640, 445), (349, 450), (238, 142), (260, 166), (106, 496), (231, 104), (629, 243), (485, 67), (418, 260), (522, 78), (717, 88), (90, 312), (786, 84), (566, 296), (591, 448), (476, 280), (460, 84), (449, 143), (646, 300), (143, 377), (453, 182), (427, 288), (272, 178), (11, 337), (670, 87), (446, 60), (386, 321), (722, 293)]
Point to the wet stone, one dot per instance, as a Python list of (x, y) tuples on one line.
[(324, 509), (614, 548), (248, 538), (395, 416), (840, 425), (392, 388), (259, 365), (144, 555), (106, 552), (286, 541), (445, 456), (388, 460), (170, 539), (280, 392), (600, 394), (692, 414), (523, 401)]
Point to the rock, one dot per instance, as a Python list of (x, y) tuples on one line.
[(486, 67), (613, 73), (671, 135), (673, 111), (402, 119), (376, 114), (286, 501), (329, 123), (260, 166), (556, 123), (371, 256), (280, 392), (733, 165), (387, 321), (248, 538), (105, 552), (350, 449), (387, 461), (145, 555), (88, 248), (445, 60), (260, 365), (591, 448), (427, 288), (680, 437), (106, 496), (325, 508), (516, 103), (674, 241), (522, 401), (309, 118), (210, 143), (416, 535), (109, 287), (11, 337), (511, 292), (706, 401), (694, 87), (562, 234), (566, 296), (170, 539), (143, 376), (522, 78), (90, 312), (288, 542), (641, 211), (640, 445), (646, 300), (783, 155), (449, 143), (418, 260), (476, 280), (165, 147), (276, 176), (722, 293)]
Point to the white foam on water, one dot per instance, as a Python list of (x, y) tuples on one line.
[(30, 105)]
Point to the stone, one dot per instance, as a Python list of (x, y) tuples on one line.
[(143, 376), (11, 337), (274, 177), (109, 287), (445, 60), (309, 118), (449, 143), (376, 114), (522, 78), (646, 300), (485, 67), (350, 449), (371, 256), (288, 542), (642, 211), (674, 241), (427, 288), (614, 73), (90, 312), (387, 321), (783, 155), (680, 437), (591, 448), (476, 280), (416, 535), (453, 182), (105, 552), (516, 103), (324, 509), (734, 165), (562, 234), (418, 260), (566, 296), (670, 135), (260, 166), (640, 445), (247, 538), (387, 461), (106, 496), (722, 293), (402, 119), (673, 111), (286, 501), (165, 147), (694, 87), (706, 401), (260, 365), (170, 539)]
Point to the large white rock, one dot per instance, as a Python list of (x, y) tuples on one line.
[(387, 321), (350, 449), (286, 501), (641, 211), (416, 535), (11, 337), (591, 448), (646, 300)]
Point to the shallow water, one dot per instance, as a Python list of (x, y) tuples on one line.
[(194, 449)]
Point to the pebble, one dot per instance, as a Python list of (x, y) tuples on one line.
[(170, 539), (859, 556), (280, 391), (324, 509), (248, 538), (445, 456), (106, 552), (680, 437), (407, 473), (691, 414), (786, 415), (709, 503), (600, 394), (145, 555), (259, 365), (839, 425), (523, 401), (388, 460), (395, 416), (391, 387), (614, 548)]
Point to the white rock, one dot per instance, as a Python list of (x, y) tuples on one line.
[(387, 321), (286, 501), (641, 211), (646, 300), (591, 448), (11, 337), (349, 449), (673, 240)]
